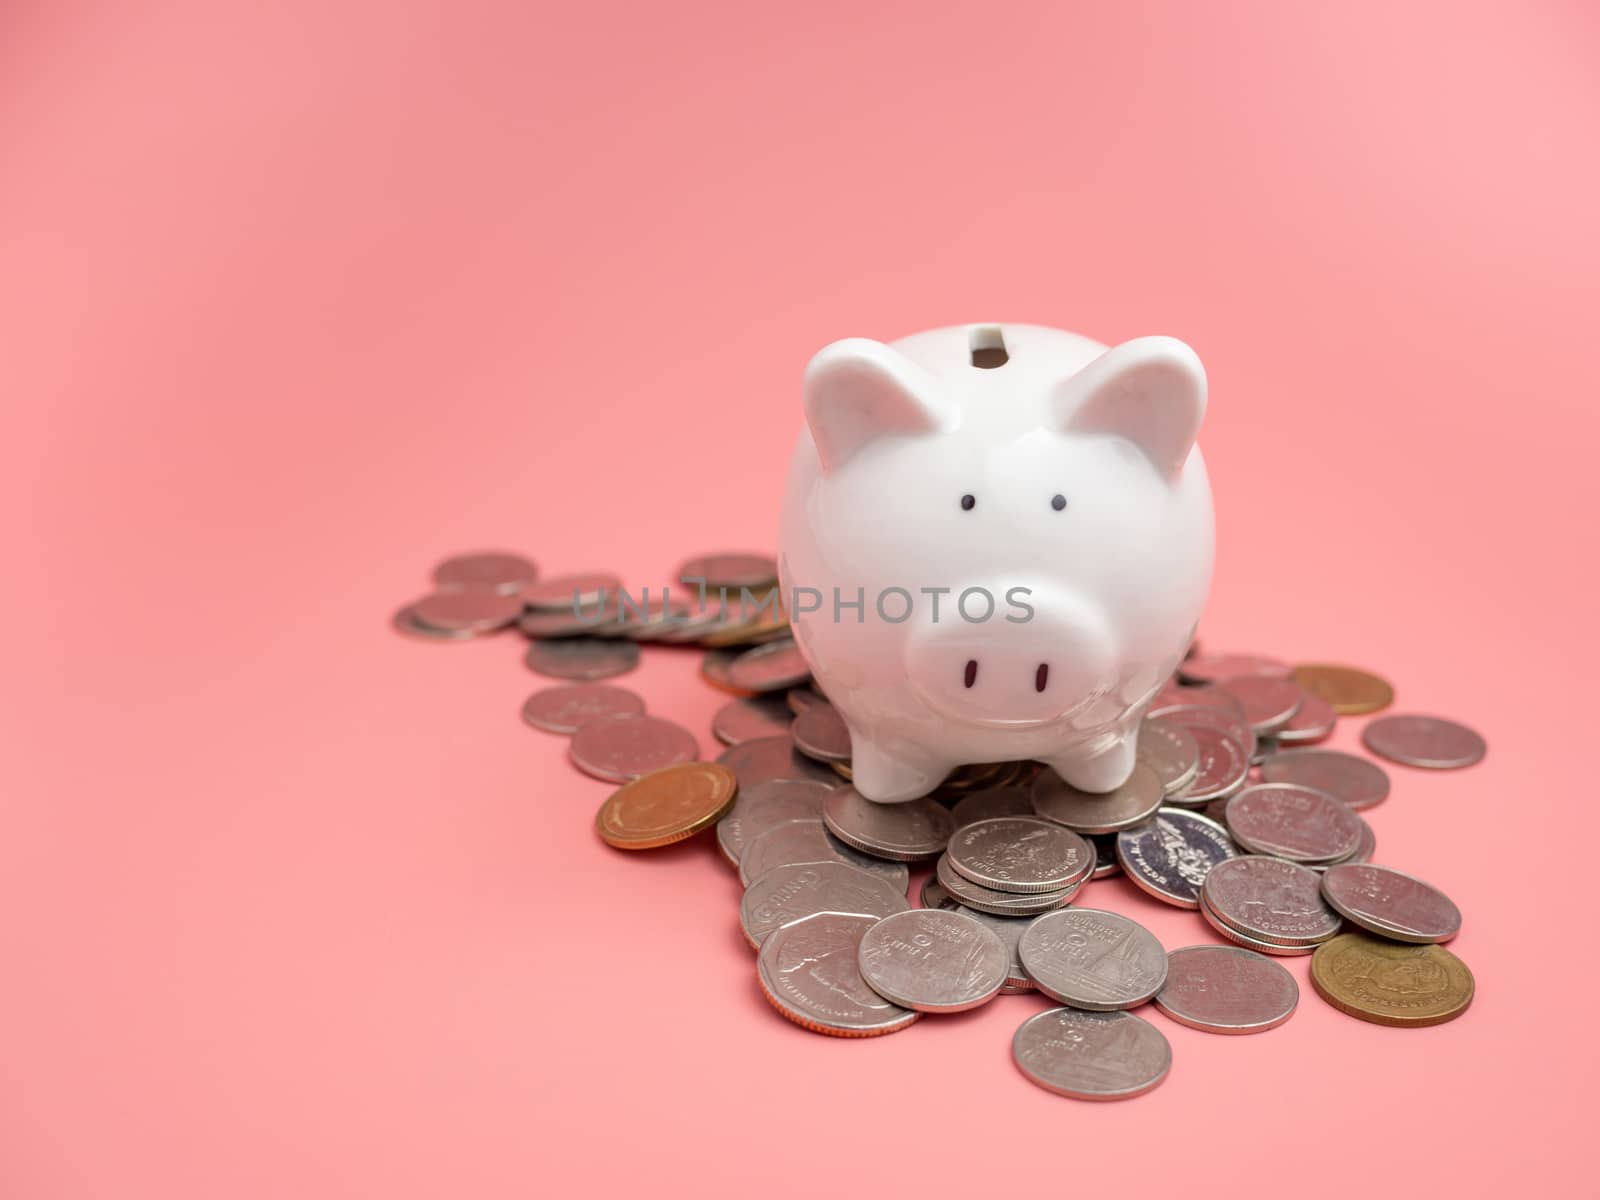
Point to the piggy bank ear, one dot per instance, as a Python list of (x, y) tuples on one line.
[(1151, 391), (858, 390)]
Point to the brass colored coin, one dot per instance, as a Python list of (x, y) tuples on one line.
[(1388, 983), (666, 806), (1350, 690)]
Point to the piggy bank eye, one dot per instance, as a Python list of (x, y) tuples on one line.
[(1058, 502), (968, 501)]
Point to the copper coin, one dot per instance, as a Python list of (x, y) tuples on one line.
[(1294, 822), (490, 570), (1350, 690), (1315, 721), (567, 709), (1356, 781), (587, 592), (820, 732), (582, 658), (729, 570), (1429, 742), (1391, 903), (771, 667), (747, 719), (665, 806), (1214, 668), (625, 747), (1268, 702), (1389, 983), (469, 610)]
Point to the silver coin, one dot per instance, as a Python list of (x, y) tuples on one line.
[(933, 960), (582, 658), (1172, 855), (729, 570), (805, 840), (567, 708), (1009, 930), (624, 747), (1244, 939), (988, 803), (1224, 767), (1001, 904), (797, 890), (809, 972), (749, 718), (1315, 721), (1092, 1055), (762, 806), (648, 619), (1105, 855), (1175, 697), (770, 667), (761, 759), (1020, 854), (563, 623), (1294, 822), (1171, 752), (934, 895), (1429, 742), (405, 621), (801, 698), (820, 733), (1132, 804), (714, 666), (490, 570), (590, 592), (1090, 958), (1215, 668), (1356, 781), (908, 832), (1391, 903), (1269, 899), (470, 610), (1269, 703), (1227, 989)]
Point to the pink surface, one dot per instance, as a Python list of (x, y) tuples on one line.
[(292, 305)]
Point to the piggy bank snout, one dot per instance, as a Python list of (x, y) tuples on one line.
[(1014, 673)]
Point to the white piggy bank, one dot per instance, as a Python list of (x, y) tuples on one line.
[(996, 543)]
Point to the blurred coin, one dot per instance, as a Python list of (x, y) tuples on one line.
[(1090, 958), (564, 623), (1268, 702), (797, 890), (934, 895), (1359, 783), (471, 611), (809, 972), (1227, 989), (1294, 822), (582, 658), (1020, 854), (1269, 899), (773, 758), (807, 840), (665, 806), (1391, 903), (746, 719), (714, 668), (1174, 696), (1214, 668), (933, 960), (769, 668), (589, 591), (405, 621), (763, 625), (1171, 752), (1423, 742), (564, 709), (991, 802), (820, 733), (647, 617), (729, 570), (1315, 721), (1389, 983), (1349, 690), (490, 570), (908, 832), (1132, 804), (625, 747), (1009, 931), (762, 806), (1105, 855), (1171, 856), (801, 698), (1091, 1055), (990, 900)]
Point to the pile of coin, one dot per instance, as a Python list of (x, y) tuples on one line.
[(1232, 812)]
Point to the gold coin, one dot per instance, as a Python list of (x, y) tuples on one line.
[(1350, 690), (843, 768), (1388, 983), (666, 806)]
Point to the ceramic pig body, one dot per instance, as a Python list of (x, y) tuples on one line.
[(1030, 544)]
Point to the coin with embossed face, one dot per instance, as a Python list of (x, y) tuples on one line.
[(665, 806), (487, 570), (933, 960), (564, 709), (810, 972), (1092, 1055), (1009, 930), (1171, 856), (1133, 803), (1171, 752), (1389, 983), (1225, 746), (908, 832), (1391, 903), (1293, 822), (990, 900), (762, 806), (1356, 781), (1090, 958), (1020, 854), (1349, 690), (629, 745), (1268, 703), (1269, 899), (1227, 989), (790, 892), (1423, 742), (806, 839)]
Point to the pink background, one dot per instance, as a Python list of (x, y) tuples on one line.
[(293, 303)]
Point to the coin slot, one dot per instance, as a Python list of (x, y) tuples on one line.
[(988, 348)]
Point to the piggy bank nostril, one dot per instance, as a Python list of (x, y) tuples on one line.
[(1041, 676), (971, 676)]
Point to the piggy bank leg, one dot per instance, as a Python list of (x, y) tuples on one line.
[(890, 778), (1103, 769)]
